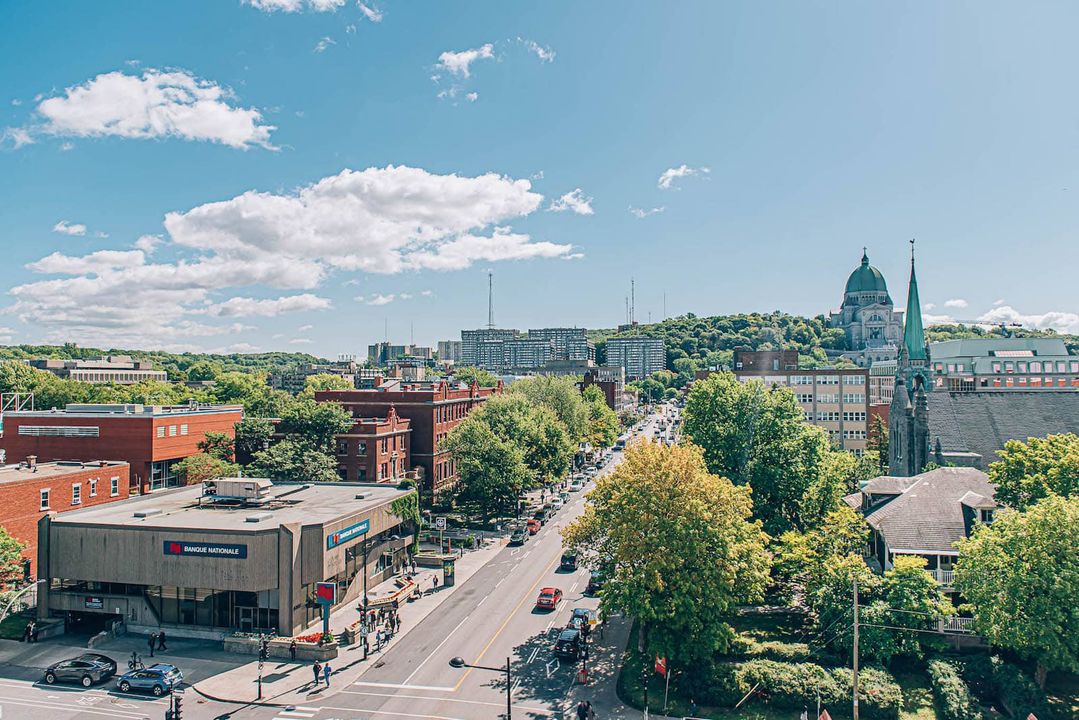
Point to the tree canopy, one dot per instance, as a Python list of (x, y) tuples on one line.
[(1036, 469), (468, 374), (677, 545), (491, 470), (10, 559), (561, 396)]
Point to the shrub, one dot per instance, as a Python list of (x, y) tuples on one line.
[(1019, 695), (953, 697), (721, 688), (788, 685), (746, 647), (879, 696)]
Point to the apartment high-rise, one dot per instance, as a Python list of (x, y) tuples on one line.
[(638, 355), (484, 348), (449, 351), (569, 343)]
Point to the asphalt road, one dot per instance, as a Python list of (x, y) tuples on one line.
[(490, 618)]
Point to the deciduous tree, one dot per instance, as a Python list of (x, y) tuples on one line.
[(10, 559), (203, 466), (1030, 471), (560, 395), (491, 470)]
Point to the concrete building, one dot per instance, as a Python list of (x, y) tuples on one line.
[(1003, 363), (868, 317), (235, 554), (638, 355), (382, 353), (433, 409), (118, 369), (294, 379), (882, 382), (526, 353), (833, 399), (150, 438), (610, 380), (375, 449), (569, 343), (484, 348), (449, 352), (30, 490)]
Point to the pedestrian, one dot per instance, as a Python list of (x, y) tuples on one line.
[(434, 582), (292, 651), (582, 711), (693, 708), (326, 670), (378, 639), (317, 669), (152, 642), (591, 712), (26, 631), (398, 623), (366, 646), (33, 631), (161, 641)]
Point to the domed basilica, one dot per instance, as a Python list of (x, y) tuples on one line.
[(873, 328)]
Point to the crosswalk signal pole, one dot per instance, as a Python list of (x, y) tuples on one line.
[(854, 676)]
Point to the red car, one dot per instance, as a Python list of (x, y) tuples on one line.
[(533, 526), (549, 598)]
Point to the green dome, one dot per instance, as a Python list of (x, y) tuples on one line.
[(866, 278)]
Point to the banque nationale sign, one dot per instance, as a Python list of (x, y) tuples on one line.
[(347, 533), (214, 550)]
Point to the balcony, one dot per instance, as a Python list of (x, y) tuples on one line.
[(944, 577), (958, 625)]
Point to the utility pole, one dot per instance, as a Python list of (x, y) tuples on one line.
[(490, 300), (854, 678), (632, 301)]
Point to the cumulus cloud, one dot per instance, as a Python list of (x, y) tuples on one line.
[(666, 180), (66, 228), (459, 63), (16, 137), (381, 299), (641, 213), (955, 303), (379, 220), (248, 307), (1061, 321), (574, 200), (929, 320), (472, 96), (156, 104)]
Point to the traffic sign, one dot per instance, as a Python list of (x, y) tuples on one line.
[(440, 523)]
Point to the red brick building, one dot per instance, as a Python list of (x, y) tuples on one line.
[(151, 439), (29, 490), (375, 449), (433, 409)]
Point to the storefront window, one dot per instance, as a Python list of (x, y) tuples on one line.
[(163, 474)]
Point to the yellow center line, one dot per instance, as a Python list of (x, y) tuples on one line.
[(505, 622)]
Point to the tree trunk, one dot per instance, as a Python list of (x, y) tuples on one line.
[(1039, 675), (641, 635)]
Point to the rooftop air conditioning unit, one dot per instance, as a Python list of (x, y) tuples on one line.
[(148, 512)]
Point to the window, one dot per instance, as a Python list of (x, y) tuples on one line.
[(1022, 366), (1061, 366), (853, 398), (93, 487), (342, 447), (987, 516), (161, 431), (854, 434), (361, 448), (805, 397), (45, 498), (1036, 366), (996, 367), (59, 431), (1074, 366), (172, 431), (114, 486), (854, 379), (183, 429), (76, 494), (854, 417)]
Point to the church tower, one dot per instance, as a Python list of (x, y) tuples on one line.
[(913, 362), (908, 417)]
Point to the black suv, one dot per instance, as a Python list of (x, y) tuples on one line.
[(569, 561), (569, 644)]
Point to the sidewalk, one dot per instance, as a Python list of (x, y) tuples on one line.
[(286, 683)]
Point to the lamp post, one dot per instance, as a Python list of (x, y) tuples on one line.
[(459, 662), (364, 571)]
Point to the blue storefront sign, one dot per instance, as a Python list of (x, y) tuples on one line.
[(214, 550), (339, 537)]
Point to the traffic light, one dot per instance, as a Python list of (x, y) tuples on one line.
[(178, 707), (264, 651)]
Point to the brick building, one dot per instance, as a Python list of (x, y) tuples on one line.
[(375, 449), (433, 409), (150, 438), (29, 490)]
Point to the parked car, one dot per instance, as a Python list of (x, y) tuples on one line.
[(548, 599), (581, 616), (576, 486), (595, 582), (159, 679), (533, 526), (569, 561), (563, 496), (518, 536), (86, 669), (556, 503), (541, 516), (568, 644)]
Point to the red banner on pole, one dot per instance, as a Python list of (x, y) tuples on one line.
[(661, 665)]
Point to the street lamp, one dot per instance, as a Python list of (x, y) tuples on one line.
[(459, 662)]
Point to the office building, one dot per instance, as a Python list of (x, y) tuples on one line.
[(118, 369), (638, 355), (149, 438), (229, 555), (1001, 363), (526, 353), (449, 352), (294, 379)]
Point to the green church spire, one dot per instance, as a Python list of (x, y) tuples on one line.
[(913, 332)]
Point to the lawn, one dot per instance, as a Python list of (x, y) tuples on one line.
[(12, 627)]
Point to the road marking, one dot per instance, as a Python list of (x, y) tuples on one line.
[(532, 657), (483, 600), (107, 712), (573, 586), (437, 648), (387, 712), (402, 686), (506, 622), (499, 582), (298, 713), (540, 711), (549, 624)]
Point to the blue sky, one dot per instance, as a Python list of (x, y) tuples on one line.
[(220, 175)]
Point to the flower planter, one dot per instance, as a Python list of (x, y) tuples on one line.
[(278, 647)]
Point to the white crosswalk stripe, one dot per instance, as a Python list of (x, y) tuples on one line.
[(297, 713)]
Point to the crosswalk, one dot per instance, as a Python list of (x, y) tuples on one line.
[(297, 712)]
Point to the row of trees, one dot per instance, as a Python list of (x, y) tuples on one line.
[(525, 437)]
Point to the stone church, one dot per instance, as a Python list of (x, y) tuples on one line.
[(867, 316)]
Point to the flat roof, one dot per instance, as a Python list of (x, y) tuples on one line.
[(129, 410), (179, 509), (19, 472)]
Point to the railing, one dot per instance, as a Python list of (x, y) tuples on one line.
[(944, 577), (956, 625)]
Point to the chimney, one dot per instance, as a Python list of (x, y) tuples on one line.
[(31, 462)]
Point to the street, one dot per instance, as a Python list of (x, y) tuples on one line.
[(490, 618)]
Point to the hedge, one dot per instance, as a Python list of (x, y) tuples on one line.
[(744, 646), (954, 699), (991, 677), (795, 686)]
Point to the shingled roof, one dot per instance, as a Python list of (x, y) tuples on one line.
[(981, 422), (929, 516)]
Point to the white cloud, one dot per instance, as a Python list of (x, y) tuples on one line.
[(666, 180), (371, 13), (998, 301), (294, 5), (928, 306), (16, 102), (7, 335), (16, 137), (381, 299), (544, 53), (67, 146), (101, 234), (574, 200), (305, 328), (324, 43), (955, 303), (299, 341), (156, 104), (66, 228), (472, 96), (242, 347), (641, 213), (349, 29), (1061, 321), (928, 319), (459, 63), (426, 293), (60, 264), (247, 307), (148, 243), (503, 244)]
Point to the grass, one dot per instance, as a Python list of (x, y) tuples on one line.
[(12, 627), (1063, 691)]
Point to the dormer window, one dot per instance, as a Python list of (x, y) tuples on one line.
[(987, 516)]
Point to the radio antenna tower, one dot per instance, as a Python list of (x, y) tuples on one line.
[(490, 300), (632, 301)]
